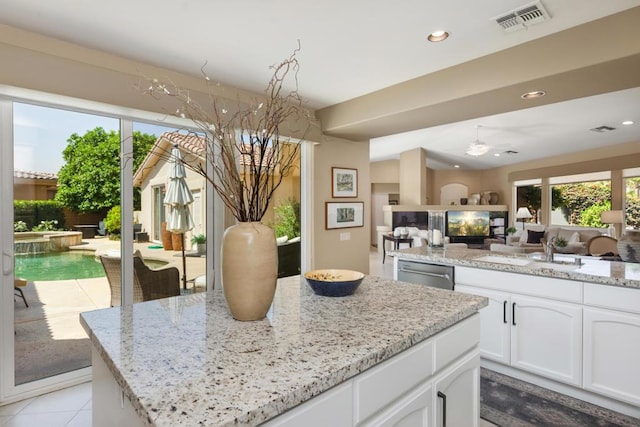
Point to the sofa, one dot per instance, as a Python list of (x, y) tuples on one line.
[(529, 240)]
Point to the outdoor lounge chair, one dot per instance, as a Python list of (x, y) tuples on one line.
[(148, 284)]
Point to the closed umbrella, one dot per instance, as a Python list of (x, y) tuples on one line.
[(178, 197)]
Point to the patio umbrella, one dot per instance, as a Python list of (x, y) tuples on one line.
[(178, 197)]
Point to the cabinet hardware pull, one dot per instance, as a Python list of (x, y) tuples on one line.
[(504, 311), (513, 314), (444, 408)]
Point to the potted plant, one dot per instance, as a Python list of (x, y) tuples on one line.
[(200, 242), (510, 230), (247, 158)]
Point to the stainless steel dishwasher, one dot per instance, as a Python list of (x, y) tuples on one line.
[(436, 275)]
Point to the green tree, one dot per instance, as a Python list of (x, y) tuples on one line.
[(632, 210), (580, 196), (590, 217), (89, 181)]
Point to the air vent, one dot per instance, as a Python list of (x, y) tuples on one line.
[(520, 18), (510, 152), (603, 129)]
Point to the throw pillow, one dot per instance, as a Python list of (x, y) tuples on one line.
[(534, 236), (575, 238), (523, 237)]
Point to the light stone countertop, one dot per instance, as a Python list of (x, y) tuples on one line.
[(185, 361), (593, 269)]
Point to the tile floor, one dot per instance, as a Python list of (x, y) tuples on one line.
[(71, 407)]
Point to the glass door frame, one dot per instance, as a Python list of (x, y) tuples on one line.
[(9, 391)]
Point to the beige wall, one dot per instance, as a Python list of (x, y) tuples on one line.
[(386, 171), (413, 177), (329, 251)]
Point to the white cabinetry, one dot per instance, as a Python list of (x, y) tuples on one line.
[(546, 338), (408, 390), (612, 342), (581, 339), (495, 329), (539, 335), (456, 398)]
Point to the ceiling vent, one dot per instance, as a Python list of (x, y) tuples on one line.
[(522, 17), (603, 129), (510, 152)]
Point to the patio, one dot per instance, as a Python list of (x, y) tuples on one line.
[(49, 339)]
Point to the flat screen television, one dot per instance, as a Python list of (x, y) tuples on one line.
[(468, 224)]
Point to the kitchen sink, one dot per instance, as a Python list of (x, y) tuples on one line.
[(498, 259), (560, 266)]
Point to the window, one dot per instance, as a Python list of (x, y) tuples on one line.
[(579, 199)]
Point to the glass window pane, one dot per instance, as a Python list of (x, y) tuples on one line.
[(66, 177)]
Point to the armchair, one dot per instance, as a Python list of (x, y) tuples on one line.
[(148, 284)]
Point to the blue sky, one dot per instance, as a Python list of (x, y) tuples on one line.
[(40, 134)]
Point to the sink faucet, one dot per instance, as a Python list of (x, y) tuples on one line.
[(549, 249)]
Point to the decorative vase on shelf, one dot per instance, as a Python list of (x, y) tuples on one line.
[(249, 269), (629, 246), (493, 199), (484, 199)]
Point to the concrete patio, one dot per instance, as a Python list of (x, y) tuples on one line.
[(49, 339)]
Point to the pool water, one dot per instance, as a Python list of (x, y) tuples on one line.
[(65, 266), (58, 266)]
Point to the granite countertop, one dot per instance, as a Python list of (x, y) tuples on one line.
[(185, 361), (592, 270)]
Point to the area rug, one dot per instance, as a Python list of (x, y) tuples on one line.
[(508, 402)]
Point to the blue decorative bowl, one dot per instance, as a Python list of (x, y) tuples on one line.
[(334, 283)]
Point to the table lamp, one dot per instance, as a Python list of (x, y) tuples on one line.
[(522, 214), (611, 218)]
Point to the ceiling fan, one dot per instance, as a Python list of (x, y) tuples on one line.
[(477, 148)]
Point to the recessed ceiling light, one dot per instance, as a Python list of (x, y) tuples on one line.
[(534, 94), (456, 166), (438, 36), (627, 122), (497, 155)]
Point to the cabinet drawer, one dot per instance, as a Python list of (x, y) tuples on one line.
[(456, 340), (540, 286), (614, 297), (381, 385)]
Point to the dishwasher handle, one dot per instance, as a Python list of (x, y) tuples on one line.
[(424, 273)]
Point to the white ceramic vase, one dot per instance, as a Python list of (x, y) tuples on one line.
[(249, 269)]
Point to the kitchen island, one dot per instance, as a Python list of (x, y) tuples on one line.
[(379, 354), (570, 326)]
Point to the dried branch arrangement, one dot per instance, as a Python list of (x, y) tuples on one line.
[(247, 153)]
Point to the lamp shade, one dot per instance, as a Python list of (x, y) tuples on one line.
[(612, 217), (523, 213)]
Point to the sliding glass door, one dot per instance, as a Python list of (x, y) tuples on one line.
[(78, 184)]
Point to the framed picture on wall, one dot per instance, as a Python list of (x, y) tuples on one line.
[(344, 182), (344, 215)]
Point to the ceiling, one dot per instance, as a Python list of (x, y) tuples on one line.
[(353, 51)]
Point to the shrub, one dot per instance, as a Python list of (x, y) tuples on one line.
[(112, 221), (287, 219), (47, 225), (33, 212), (19, 226), (199, 239)]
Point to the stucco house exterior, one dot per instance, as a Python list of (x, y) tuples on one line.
[(153, 174)]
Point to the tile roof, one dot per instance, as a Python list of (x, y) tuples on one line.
[(34, 175)]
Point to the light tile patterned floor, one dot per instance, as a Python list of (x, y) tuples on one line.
[(71, 407)]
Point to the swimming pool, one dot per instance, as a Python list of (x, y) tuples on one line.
[(63, 266)]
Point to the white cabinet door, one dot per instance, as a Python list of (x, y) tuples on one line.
[(495, 323), (546, 338), (611, 349), (414, 410), (457, 394)]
